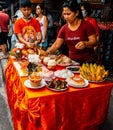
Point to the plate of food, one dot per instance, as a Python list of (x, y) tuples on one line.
[(78, 82), (64, 61), (73, 68), (29, 85), (64, 65), (63, 74), (57, 85), (93, 73)]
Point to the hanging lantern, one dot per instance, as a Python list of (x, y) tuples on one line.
[(36, 1)]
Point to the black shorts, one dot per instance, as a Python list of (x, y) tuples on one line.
[(3, 38)]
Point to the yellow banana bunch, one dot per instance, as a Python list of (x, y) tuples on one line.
[(93, 72)]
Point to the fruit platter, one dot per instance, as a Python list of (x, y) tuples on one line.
[(22, 53), (93, 72)]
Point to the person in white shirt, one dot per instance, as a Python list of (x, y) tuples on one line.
[(44, 25)]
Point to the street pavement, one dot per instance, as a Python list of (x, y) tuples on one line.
[(108, 124), (5, 114)]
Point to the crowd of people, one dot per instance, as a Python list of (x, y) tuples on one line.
[(77, 30)]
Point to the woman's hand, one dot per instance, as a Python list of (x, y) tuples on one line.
[(43, 40), (30, 45), (80, 45), (44, 53)]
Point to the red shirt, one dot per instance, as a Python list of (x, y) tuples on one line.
[(73, 37), (27, 29), (95, 25), (4, 21)]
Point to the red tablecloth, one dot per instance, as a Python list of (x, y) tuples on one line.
[(42, 109)]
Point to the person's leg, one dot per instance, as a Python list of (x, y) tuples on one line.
[(4, 50), (1, 41), (3, 44), (9, 43)]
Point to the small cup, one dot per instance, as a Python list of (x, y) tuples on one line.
[(45, 60), (35, 79), (51, 64)]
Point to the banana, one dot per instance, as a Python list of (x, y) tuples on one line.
[(93, 72)]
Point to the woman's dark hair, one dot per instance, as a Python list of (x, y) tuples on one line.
[(41, 6), (86, 6), (73, 6), (26, 3)]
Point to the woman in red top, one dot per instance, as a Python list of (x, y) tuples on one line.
[(79, 34), (85, 7)]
